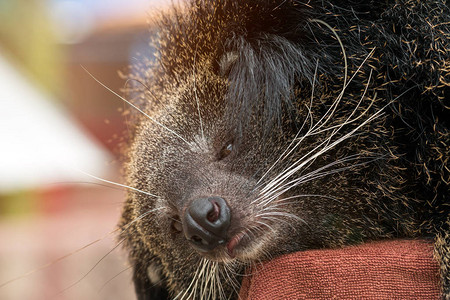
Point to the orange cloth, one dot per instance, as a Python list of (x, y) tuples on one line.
[(399, 269)]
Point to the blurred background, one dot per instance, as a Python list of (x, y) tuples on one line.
[(57, 124)]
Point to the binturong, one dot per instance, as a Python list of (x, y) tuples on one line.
[(268, 127)]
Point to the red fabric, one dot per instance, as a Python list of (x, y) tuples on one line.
[(401, 269)]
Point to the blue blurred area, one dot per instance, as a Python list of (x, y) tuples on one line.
[(105, 9)]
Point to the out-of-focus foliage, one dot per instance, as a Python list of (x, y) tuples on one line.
[(26, 36)]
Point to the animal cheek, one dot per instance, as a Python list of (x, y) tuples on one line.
[(154, 273)]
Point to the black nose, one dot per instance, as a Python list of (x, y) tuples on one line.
[(205, 223)]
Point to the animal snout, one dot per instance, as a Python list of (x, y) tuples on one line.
[(206, 222)]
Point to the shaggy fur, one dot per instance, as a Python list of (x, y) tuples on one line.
[(321, 123)]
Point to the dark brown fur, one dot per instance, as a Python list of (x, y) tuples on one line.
[(258, 75)]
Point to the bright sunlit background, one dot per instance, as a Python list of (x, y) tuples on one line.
[(57, 124)]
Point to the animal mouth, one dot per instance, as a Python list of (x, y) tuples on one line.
[(233, 243), (206, 223)]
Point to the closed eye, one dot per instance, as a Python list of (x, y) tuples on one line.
[(225, 151)]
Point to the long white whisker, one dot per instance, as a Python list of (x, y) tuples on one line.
[(114, 248), (349, 120), (194, 279), (334, 105), (280, 186), (284, 155), (135, 107), (305, 159), (117, 184), (231, 279), (285, 200), (128, 225), (340, 44), (196, 95), (315, 129), (304, 179), (205, 280), (273, 211)]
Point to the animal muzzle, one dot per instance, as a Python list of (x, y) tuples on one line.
[(206, 222)]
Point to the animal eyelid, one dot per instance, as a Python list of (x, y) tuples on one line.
[(226, 150)]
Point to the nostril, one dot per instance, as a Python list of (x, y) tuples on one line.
[(206, 222), (197, 239), (213, 214)]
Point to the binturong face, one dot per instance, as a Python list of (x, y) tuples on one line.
[(206, 168), (219, 191), (268, 127)]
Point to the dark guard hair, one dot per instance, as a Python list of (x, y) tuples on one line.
[(268, 127)]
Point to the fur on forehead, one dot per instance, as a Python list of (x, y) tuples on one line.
[(260, 59)]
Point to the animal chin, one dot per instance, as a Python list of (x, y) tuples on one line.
[(241, 246), (236, 247)]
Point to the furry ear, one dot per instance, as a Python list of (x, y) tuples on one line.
[(149, 283), (227, 61)]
